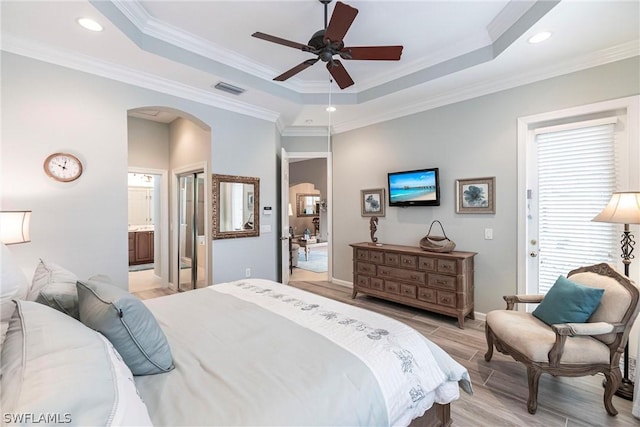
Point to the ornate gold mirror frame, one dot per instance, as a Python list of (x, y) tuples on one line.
[(235, 206)]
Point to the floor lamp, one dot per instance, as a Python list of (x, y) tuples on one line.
[(624, 208)]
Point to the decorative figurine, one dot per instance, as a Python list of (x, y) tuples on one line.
[(373, 226)]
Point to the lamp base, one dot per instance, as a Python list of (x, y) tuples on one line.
[(625, 389)]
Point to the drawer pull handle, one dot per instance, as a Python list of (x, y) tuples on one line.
[(441, 282), (414, 277)]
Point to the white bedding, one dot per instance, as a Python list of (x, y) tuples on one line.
[(256, 352)]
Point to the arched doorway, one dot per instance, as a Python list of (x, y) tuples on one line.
[(169, 145)]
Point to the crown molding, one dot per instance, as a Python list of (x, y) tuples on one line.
[(500, 83), (306, 131), (108, 70)]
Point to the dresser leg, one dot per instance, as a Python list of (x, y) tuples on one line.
[(354, 293), (461, 321)]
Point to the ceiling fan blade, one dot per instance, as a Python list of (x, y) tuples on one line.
[(339, 74), (295, 70), (341, 19), (281, 41), (372, 53)]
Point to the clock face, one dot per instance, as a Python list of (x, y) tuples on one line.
[(63, 167)]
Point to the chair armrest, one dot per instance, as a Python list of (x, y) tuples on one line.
[(595, 328), (527, 299), (563, 330)]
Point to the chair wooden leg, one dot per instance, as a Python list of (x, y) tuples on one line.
[(613, 380), (489, 354), (533, 375)]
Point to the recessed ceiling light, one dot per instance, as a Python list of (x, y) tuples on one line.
[(89, 24), (540, 37), (331, 109)]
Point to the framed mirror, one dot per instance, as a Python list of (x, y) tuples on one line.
[(236, 206), (308, 204)]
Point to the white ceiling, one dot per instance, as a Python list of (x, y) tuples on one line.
[(453, 50)]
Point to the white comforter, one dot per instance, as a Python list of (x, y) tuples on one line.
[(402, 376)]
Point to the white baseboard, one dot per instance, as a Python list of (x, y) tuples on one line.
[(342, 283)]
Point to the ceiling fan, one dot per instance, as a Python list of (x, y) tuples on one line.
[(329, 42)]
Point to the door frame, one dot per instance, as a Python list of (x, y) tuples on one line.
[(175, 173), (526, 136), (308, 155), (163, 222)]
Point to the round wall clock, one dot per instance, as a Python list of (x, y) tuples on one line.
[(63, 167)]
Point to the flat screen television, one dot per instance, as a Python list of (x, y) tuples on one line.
[(414, 188)]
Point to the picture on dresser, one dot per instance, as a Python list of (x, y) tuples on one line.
[(475, 195), (372, 202)]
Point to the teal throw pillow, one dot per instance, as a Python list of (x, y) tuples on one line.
[(127, 323), (568, 302)]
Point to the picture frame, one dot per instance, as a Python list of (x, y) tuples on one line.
[(476, 195), (372, 202)]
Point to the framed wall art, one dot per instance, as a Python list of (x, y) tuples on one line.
[(372, 202), (476, 195)]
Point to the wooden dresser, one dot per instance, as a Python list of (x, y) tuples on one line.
[(438, 282)]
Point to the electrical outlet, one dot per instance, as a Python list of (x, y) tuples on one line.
[(247, 272), (488, 234)]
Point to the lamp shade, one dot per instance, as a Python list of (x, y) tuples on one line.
[(623, 208), (14, 227), (290, 210)]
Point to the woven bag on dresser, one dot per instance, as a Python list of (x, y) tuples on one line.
[(433, 243)]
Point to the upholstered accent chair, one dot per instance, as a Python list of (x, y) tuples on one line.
[(569, 349)]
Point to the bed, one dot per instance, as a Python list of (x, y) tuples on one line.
[(250, 352)]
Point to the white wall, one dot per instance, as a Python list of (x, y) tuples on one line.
[(83, 225), (475, 138), (148, 144)]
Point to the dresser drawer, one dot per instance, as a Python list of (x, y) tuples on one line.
[(392, 287), (447, 299), (446, 266), (428, 264), (362, 254), (366, 268), (408, 290), (376, 283), (441, 281), (362, 281), (392, 259), (427, 294), (375, 256), (408, 261), (398, 273)]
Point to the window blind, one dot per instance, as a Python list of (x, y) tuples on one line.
[(576, 176)]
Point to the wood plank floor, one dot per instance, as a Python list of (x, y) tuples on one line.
[(500, 386)]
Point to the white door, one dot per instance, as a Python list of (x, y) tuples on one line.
[(571, 173), (284, 215)]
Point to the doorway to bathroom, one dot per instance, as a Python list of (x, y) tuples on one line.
[(144, 229)]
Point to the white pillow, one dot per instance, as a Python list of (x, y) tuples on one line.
[(47, 273), (62, 368)]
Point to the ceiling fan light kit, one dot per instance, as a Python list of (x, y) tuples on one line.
[(328, 42)]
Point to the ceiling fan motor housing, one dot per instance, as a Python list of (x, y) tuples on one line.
[(324, 49)]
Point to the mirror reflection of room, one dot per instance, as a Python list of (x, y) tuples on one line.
[(236, 206)]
